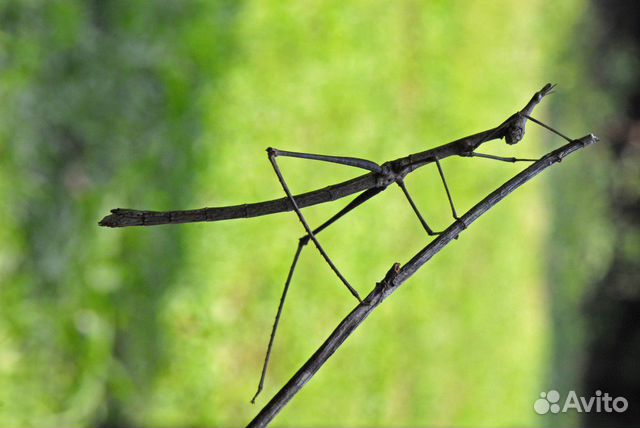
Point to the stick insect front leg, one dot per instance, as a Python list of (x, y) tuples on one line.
[(512, 159), (359, 200)]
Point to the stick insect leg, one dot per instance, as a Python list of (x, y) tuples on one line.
[(446, 188), (426, 227), (359, 200), (499, 158), (285, 187), (342, 160)]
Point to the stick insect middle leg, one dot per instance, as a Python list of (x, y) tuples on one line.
[(359, 200), (426, 227), (446, 188)]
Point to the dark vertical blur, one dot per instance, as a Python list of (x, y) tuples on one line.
[(613, 310)]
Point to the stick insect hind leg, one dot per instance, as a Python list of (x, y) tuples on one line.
[(359, 200), (355, 162), (310, 235)]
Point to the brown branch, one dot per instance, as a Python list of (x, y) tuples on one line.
[(398, 275)]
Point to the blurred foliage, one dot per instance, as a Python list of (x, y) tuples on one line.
[(169, 105), (588, 225)]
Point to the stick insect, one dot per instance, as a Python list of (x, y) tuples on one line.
[(377, 178)]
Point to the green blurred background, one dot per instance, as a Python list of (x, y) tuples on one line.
[(170, 105)]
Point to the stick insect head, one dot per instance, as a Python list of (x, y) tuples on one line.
[(515, 132)]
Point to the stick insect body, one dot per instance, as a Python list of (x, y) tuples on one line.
[(377, 179)]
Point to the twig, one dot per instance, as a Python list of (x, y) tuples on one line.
[(397, 276)]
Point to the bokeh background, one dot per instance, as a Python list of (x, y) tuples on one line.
[(170, 105)]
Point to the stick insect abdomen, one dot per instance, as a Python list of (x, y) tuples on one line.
[(122, 217)]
